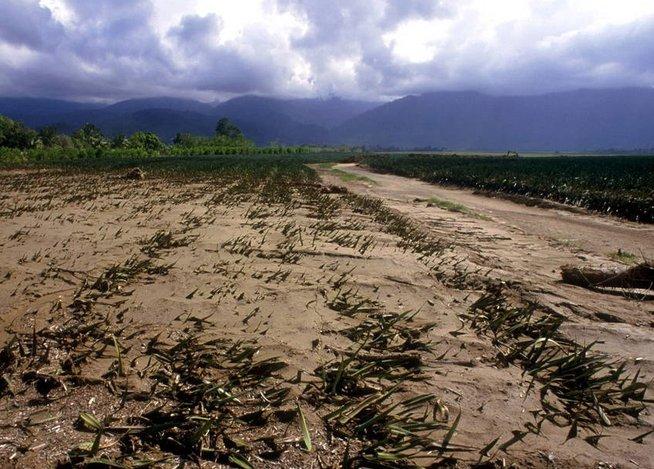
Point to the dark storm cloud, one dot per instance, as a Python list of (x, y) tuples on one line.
[(195, 29), (238, 67), (113, 29), (397, 11), (515, 62), (109, 51), (616, 56), (631, 46), (27, 24), (112, 49)]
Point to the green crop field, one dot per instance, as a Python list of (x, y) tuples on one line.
[(617, 185)]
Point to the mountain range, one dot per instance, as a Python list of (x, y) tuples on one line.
[(580, 120)]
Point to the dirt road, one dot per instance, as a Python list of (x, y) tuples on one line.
[(582, 232), (528, 245)]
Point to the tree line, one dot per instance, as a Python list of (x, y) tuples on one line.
[(15, 134), (18, 142)]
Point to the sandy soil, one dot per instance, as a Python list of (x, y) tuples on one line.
[(60, 232), (528, 245)]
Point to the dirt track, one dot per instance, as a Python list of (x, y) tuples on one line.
[(529, 245), (597, 235)]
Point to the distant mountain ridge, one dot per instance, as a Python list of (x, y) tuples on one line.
[(174, 104), (566, 121), (36, 111), (578, 120), (265, 120)]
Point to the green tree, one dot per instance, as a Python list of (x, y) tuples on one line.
[(14, 134), (64, 141), (226, 128), (6, 129), (146, 141), (48, 135), (90, 136), (119, 141), (185, 139)]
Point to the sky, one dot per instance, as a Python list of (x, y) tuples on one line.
[(107, 50)]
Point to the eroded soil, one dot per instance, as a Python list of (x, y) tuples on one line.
[(297, 278)]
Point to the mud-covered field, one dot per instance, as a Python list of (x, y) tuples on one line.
[(248, 313)]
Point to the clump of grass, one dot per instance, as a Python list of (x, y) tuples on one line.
[(395, 434), (209, 394), (351, 177), (360, 242), (163, 240), (115, 277), (349, 302), (412, 236), (344, 175), (573, 244), (589, 385), (454, 207), (390, 333), (624, 257), (356, 373)]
